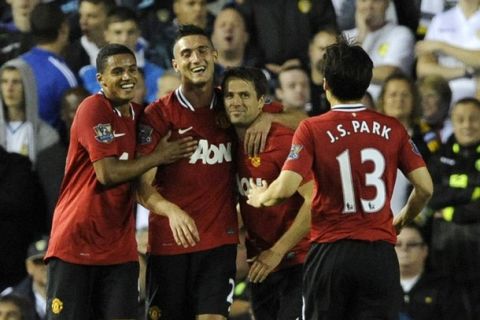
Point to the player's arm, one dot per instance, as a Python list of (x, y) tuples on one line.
[(257, 132), (111, 171), (269, 259), (182, 225), (282, 188), (422, 192)]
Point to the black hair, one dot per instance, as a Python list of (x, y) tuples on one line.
[(121, 14), (45, 22), (185, 30), (468, 100), (109, 50), (348, 70), (253, 75)]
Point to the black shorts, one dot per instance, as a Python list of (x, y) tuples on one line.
[(86, 292), (351, 279), (182, 286), (279, 297)]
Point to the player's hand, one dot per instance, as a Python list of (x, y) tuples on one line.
[(263, 265), (254, 192), (427, 46), (171, 151), (183, 228), (256, 134)]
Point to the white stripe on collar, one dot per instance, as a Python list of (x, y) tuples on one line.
[(349, 107), (186, 104)]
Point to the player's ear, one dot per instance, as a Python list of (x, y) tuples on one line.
[(100, 79), (174, 65), (261, 102)]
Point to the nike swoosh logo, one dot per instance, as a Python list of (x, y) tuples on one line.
[(116, 135), (182, 131)]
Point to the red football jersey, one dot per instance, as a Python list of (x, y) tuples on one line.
[(203, 185), (266, 225), (92, 224), (354, 154)]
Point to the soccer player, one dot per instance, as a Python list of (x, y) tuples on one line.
[(191, 267), (276, 236), (351, 271), (92, 255)]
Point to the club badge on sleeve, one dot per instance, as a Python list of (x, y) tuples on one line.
[(295, 152), (144, 134), (103, 132)]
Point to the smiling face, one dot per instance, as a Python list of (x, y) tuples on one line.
[(241, 102), (194, 58), (119, 78), (398, 100), (466, 123)]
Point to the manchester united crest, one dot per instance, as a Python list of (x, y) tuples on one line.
[(57, 306), (255, 161), (154, 313)]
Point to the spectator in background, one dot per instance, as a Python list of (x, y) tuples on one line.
[(22, 212), (451, 48), (15, 308), (230, 38), (122, 27), (34, 287), (389, 46), (281, 30), (93, 18), (435, 98), (70, 101), (161, 35), (399, 99), (21, 130), (455, 247), (52, 76), (293, 90), (168, 83), (15, 37), (316, 49), (425, 296)]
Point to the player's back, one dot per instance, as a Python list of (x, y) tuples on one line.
[(356, 153)]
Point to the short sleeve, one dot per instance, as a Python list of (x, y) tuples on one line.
[(94, 126), (410, 157), (300, 158), (153, 126)]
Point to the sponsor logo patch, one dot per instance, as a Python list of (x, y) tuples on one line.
[(144, 134), (295, 152), (103, 132)]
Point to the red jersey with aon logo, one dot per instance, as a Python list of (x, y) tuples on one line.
[(203, 185)]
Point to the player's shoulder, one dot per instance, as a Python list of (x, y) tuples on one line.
[(95, 101), (162, 104)]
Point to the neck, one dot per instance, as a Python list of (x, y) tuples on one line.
[(230, 58), (407, 273), (240, 130), (199, 96), (316, 76), (16, 114), (54, 47), (469, 7), (22, 22), (40, 289)]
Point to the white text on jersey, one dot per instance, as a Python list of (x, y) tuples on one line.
[(211, 154), (359, 127)]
